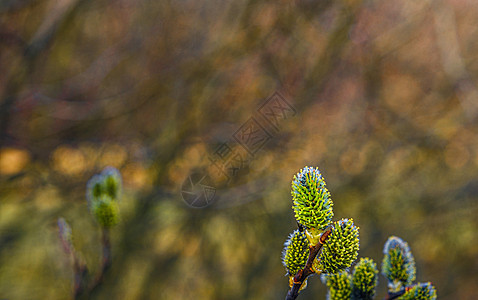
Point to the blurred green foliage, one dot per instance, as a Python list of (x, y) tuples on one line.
[(386, 105)]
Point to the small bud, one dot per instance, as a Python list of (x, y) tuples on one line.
[(112, 182), (94, 189), (364, 279), (339, 285), (341, 247), (303, 286), (311, 199), (421, 291), (295, 253), (107, 183), (65, 235), (105, 211), (398, 264)]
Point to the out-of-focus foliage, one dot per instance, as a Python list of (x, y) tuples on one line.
[(385, 99)]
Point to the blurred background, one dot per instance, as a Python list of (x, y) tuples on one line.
[(380, 95)]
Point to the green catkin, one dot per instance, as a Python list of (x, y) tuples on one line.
[(311, 199), (94, 189), (364, 279), (398, 264), (295, 253), (421, 291), (339, 285), (341, 248), (103, 193), (112, 182), (106, 211)]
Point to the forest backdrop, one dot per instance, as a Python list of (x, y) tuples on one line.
[(380, 95)]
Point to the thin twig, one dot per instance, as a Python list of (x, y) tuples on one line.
[(80, 269), (105, 261), (302, 275), (80, 276), (395, 295)]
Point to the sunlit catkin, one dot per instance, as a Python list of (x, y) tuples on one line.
[(311, 199), (341, 248)]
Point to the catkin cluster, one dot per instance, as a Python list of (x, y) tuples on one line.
[(338, 243), (313, 209)]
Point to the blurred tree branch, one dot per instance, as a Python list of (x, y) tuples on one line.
[(451, 58), (61, 13)]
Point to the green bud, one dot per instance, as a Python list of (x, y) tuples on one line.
[(311, 199), (339, 285), (364, 279), (398, 264), (421, 291), (107, 183), (105, 211), (94, 189), (341, 247), (295, 253), (112, 182)]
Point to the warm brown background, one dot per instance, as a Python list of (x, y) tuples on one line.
[(387, 108)]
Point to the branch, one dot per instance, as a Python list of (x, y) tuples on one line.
[(302, 275), (395, 295), (80, 271), (106, 259)]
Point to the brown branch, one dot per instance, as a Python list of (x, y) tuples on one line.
[(80, 271), (302, 275), (395, 295), (106, 259)]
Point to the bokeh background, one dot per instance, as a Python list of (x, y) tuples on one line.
[(384, 102)]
